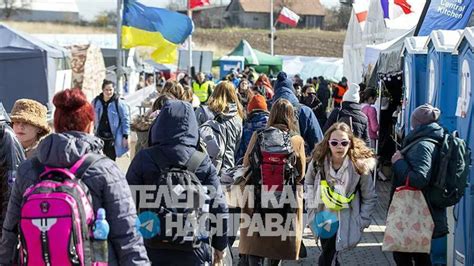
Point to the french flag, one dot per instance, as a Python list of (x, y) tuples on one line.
[(391, 8), (395, 8), (288, 17)]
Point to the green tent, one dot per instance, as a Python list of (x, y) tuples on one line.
[(262, 62)]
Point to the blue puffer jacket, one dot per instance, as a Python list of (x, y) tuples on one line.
[(119, 122), (108, 188), (418, 163), (309, 125), (175, 135), (256, 120)]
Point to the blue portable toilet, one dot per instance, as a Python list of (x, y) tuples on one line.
[(464, 230), (414, 70), (442, 74)]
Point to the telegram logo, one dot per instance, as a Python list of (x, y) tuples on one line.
[(148, 224), (325, 224)]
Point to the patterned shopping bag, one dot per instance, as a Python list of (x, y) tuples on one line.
[(409, 226)]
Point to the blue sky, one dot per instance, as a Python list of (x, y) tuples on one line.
[(88, 9)]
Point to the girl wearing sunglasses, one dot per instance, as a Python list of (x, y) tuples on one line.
[(338, 184)]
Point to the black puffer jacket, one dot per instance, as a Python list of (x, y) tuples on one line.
[(11, 155), (351, 111)]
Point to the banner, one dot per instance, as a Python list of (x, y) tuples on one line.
[(446, 15)]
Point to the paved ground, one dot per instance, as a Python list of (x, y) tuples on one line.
[(368, 252)]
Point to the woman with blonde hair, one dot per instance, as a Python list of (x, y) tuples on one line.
[(338, 184), (225, 117), (276, 157)]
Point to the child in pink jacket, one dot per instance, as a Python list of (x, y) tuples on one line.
[(369, 97)]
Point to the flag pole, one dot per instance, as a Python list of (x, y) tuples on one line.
[(422, 17), (119, 47), (271, 27), (190, 41)]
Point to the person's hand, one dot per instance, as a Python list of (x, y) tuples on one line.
[(397, 156), (125, 143), (218, 256)]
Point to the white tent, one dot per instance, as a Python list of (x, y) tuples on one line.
[(328, 67), (357, 39), (353, 50), (376, 30)]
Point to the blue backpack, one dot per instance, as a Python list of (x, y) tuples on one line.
[(256, 121)]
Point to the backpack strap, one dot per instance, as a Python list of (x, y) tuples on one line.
[(195, 161), (416, 141), (78, 168), (191, 165)]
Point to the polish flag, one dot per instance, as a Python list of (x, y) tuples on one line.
[(288, 17), (197, 3)]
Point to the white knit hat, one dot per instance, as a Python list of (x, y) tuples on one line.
[(352, 94)]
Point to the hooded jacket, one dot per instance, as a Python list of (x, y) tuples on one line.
[(119, 120), (233, 125), (11, 155), (108, 188), (360, 124), (308, 124), (418, 164), (256, 120), (175, 136)]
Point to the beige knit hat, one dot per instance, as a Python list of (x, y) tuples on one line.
[(31, 112)]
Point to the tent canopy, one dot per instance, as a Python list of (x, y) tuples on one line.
[(262, 62), (328, 67), (15, 39), (29, 67), (389, 57)]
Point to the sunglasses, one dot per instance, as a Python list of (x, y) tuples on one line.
[(334, 143)]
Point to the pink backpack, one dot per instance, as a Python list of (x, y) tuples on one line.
[(57, 217)]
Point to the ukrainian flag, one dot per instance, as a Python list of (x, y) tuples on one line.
[(156, 27)]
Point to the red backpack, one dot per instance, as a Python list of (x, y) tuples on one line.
[(273, 163)]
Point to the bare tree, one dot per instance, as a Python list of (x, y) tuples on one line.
[(10, 7), (106, 19), (337, 18)]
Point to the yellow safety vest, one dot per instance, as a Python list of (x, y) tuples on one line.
[(201, 91)]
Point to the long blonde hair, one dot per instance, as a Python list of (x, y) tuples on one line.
[(283, 113), (357, 148), (222, 96)]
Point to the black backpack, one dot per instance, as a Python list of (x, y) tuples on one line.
[(450, 175), (179, 180)]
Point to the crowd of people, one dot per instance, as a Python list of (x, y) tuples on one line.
[(315, 138)]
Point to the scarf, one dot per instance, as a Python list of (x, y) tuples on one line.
[(340, 180)]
